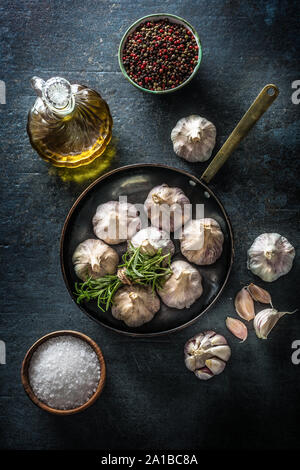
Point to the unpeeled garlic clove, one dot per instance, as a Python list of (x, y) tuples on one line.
[(215, 366), (259, 294), (237, 328), (244, 305), (204, 373), (265, 321)]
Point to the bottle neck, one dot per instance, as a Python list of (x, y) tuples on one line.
[(68, 109), (56, 93)]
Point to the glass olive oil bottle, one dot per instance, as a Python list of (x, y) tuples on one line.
[(69, 125)]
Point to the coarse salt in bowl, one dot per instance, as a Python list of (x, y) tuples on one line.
[(155, 17), (64, 372)]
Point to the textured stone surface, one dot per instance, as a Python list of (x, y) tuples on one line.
[(151, 399)]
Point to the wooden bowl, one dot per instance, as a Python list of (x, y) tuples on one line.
[(25, 377)]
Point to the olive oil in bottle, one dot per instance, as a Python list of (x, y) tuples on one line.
[(69, 125)]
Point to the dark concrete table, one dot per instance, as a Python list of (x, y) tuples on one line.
[(150, 399)]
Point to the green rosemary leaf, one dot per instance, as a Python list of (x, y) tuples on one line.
[(141, 269)]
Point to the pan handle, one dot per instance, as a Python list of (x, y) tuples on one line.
[(265, 98)]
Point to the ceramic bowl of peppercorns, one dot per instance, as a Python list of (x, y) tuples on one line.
[(160, 53)]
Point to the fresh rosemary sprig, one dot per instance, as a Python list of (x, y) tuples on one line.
[(136, 268)]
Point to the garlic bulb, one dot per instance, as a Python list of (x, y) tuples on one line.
[(116, 222), (206, 354), (151, 240), (93, 258), (237, 328), (202, 241), (168, 208), (183, 287), (135, 305), (265, 321), (270, 256), (194, 138)]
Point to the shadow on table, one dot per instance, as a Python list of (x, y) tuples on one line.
[(86, 174)]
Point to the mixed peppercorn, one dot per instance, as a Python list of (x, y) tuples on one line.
[(160, 55)]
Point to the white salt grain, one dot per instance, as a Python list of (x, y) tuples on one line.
[(64, 372)]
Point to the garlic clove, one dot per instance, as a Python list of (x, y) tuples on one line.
[(221, 352), (218, 340), (194, 138), (199, 362), (259, 294), (265, 321), (190, 347), (190, 363), (237, 328), (270, 256), (204, 374), (244, 305), (216, 366)]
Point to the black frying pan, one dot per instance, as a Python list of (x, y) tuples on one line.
[(135, 182)]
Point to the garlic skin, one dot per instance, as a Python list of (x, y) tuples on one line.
[(202, 241), (270, 256), (206, 354), (237, 328), (151, 240), (94, 258), (244, 305), (194, 138), (135, 305), (183, 287), (265, 321), (168, 208), (115, 222)]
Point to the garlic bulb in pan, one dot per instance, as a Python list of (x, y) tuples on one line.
[(206, 354), (168, 208), (183, 287), (194, 138), (94, 258), (115, 222), (202, 241), (151, 239), (135, 305), (270, 256)]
